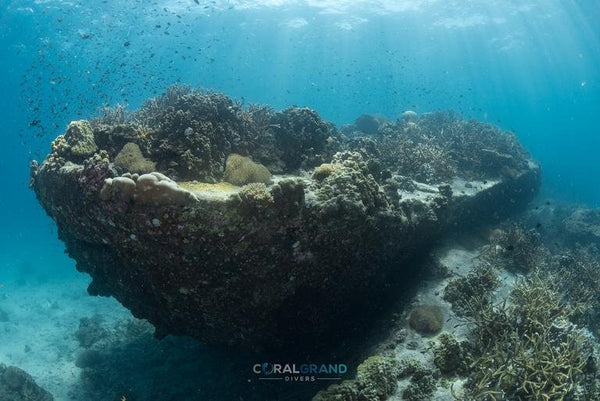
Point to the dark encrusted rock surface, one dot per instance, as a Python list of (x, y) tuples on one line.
[(277, 264), (18, 385)]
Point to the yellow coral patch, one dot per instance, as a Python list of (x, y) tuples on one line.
[(219, 190)]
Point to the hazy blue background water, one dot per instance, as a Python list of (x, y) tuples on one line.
[(531, 67)]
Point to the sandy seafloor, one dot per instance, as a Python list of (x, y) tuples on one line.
[(42, 314)]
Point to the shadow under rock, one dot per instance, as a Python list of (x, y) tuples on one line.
[(139, 367)]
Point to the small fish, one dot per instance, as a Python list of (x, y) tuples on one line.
[(197, 2)]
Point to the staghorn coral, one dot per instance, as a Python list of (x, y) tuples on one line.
[(473, 291), (526, 350), (437, 146), (110, 116), (579, 271), (515, 249)]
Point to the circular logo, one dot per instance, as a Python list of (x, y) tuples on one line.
[(267, 368)]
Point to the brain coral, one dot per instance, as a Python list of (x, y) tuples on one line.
[(426, 319), (130, 159), (240, 170)]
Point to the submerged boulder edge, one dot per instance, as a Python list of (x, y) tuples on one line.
[(268, 266)]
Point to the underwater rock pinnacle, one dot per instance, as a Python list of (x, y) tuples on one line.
[(278, 262)]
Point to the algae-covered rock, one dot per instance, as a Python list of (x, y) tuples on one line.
[(18, 385), (130, 159), (240, 170)]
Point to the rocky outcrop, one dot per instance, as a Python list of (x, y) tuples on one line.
[(18, 385), (268, 265)]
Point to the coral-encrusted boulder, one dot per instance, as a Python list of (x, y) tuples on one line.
[(287, 262)]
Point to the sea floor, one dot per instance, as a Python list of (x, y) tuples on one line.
[(40, 318)]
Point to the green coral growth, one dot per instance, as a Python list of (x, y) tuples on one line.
[(421, 387), (323, 171), (78, 142), (473, 291), (376, 379), (449, 356), (240, 170), (255, 198), (435, 147)]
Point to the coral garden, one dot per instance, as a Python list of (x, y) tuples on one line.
[(520, 334)]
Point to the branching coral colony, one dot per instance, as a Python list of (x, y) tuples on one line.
[(526, 348)]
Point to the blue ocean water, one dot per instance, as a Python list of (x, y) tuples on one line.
[(532, 67)]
